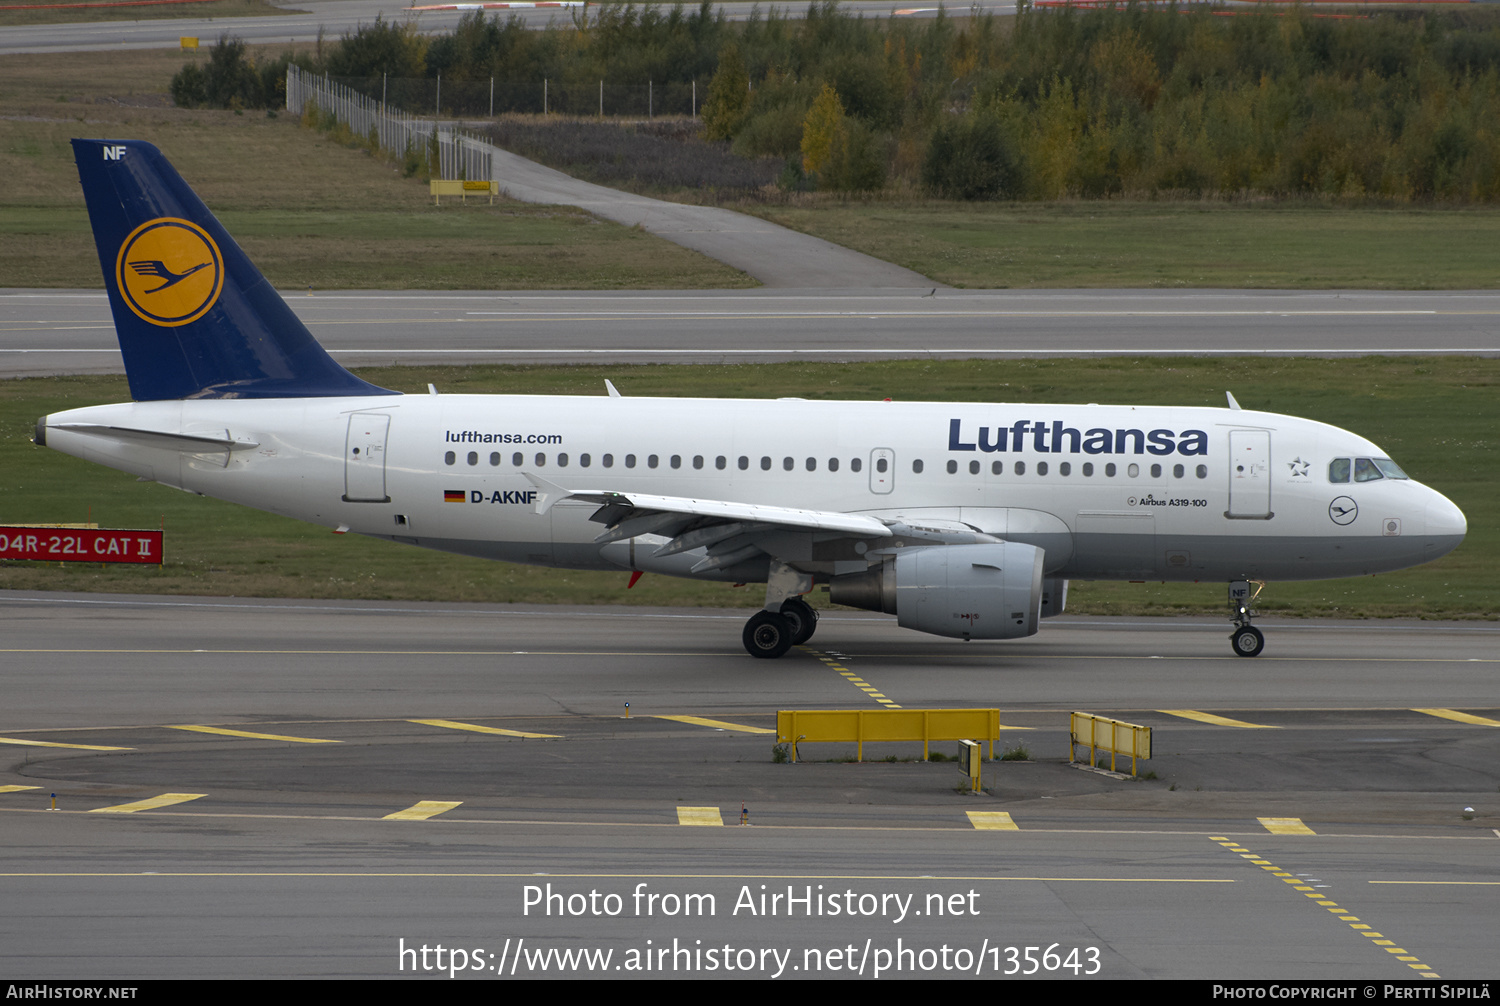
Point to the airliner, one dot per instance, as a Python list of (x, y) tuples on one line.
[(963, 520)]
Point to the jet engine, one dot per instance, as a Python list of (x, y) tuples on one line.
[(991, 591)]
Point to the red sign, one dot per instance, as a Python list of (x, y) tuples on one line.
[(71, 544)]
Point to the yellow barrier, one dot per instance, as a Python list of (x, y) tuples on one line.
[(1100, 733), (189, 43), (461, 188), (861, 725)]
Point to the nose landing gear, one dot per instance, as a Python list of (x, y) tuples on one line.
[(1246, 639)]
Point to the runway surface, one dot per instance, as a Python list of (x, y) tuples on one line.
[(225, 773), (60, 331), (335, 17)]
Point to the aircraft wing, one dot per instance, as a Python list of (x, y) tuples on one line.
[(726, 529)]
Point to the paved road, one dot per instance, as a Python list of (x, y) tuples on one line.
[(778, 257), (335, 17), (286, 863), (58, 331)]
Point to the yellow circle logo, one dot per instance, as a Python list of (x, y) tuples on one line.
[(169, 271)]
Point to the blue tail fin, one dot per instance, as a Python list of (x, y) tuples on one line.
[(195, 319)]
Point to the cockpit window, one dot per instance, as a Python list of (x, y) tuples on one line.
[(1390, 469), (1365, 470), (1338, 470)]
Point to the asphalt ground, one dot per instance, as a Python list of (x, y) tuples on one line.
[(276, 857), (336, 17), (70, 331)]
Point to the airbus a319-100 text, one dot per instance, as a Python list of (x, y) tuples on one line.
[(962, 520)]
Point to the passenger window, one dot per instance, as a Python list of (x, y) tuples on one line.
[(541, 460), (518, 459), (1156, 471), (449, 458), (812, 464), (584, 459), (562, 461), (855, 464), (608, 461), (1041, 468), (630, 461), (652, 460), (1338, 470), (1134, 471), (787, 464), (1063, 468), (1020, 468), (973, 467), (833, 464), (765, 464), (1088, 469), (997, 468), (1109, 470), (677, 461), (698, 461), (1202, 472), (916, 466), (1178, 471), (880, 465), (720, 462), (495, 460), (473, 457), (744, 462)]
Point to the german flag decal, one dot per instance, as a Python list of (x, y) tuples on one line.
[(454, 495)]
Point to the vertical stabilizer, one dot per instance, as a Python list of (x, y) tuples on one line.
[(194, 317)]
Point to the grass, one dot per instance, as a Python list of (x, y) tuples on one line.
[(309, 210), (77, 13), (1435, 416), (1291, 245)]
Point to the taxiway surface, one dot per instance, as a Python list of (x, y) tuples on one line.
[(61, 331), (226, 772)]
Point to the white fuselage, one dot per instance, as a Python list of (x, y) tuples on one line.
[(1109, 492)]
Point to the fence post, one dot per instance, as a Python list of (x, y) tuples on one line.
[(601, 99), (544, 95), (650, 92)]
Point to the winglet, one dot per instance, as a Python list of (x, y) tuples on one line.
[(1232, 403), (614, 392), (549, 493)]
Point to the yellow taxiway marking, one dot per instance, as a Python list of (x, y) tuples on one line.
[(1321, 899), (1285, 826), (165, 800), (16, 789), (856, 680), (699, 721), (991, 820), (423, 809), (57, 744), (1454, 714), (1218, 721), (707, 816), (476, 728), (249, 735)]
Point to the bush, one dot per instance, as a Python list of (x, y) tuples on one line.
[(969, 159)]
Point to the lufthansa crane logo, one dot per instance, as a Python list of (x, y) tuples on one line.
[(169, 271)]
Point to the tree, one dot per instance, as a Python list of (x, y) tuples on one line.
[(820, 130), (728, 97)]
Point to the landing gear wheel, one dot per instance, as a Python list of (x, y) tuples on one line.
[(803, 617), (1247, 641), (767, 634)]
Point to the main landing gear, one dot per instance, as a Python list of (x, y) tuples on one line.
[(1246, 639), (786, 620)]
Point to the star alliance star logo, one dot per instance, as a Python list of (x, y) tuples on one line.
[(1298, 467)]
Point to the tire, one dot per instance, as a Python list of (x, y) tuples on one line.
[(1247, 641), (803, 617), (767, 635)]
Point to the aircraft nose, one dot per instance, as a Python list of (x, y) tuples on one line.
[(1446, 525)]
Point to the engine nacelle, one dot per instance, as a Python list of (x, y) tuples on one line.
[(1054, 596), (989, 591)]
